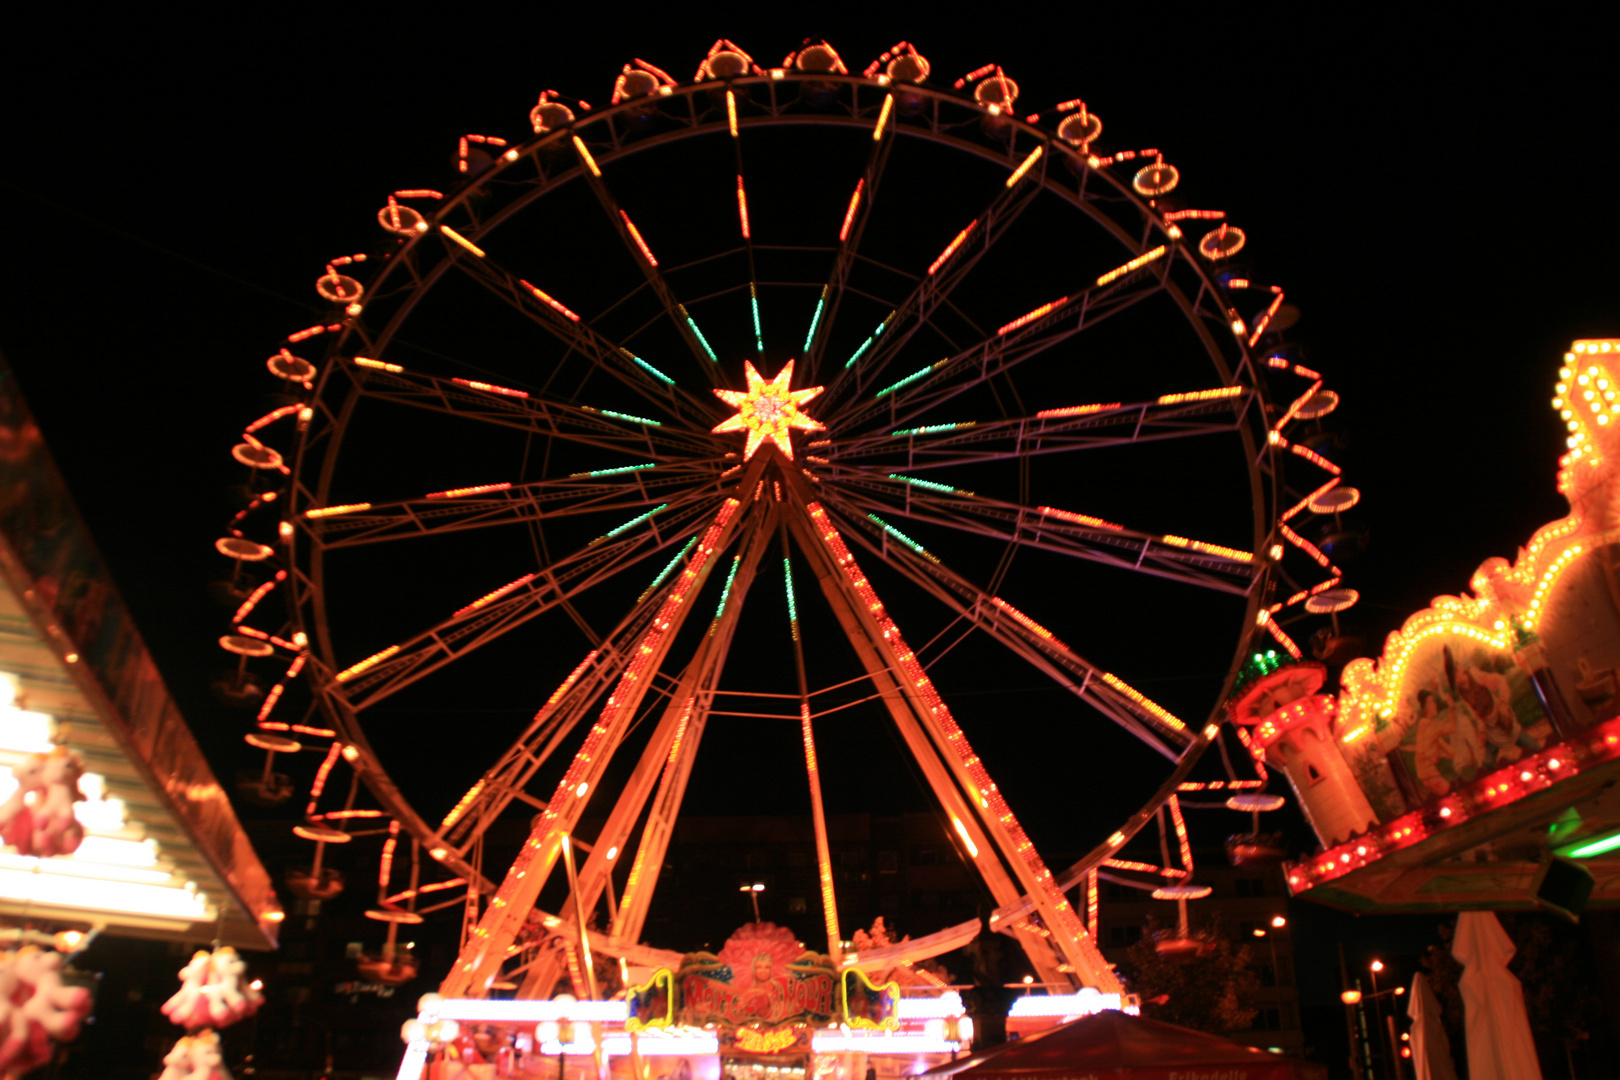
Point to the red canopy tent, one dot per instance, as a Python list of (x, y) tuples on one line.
[(1113, 1046)]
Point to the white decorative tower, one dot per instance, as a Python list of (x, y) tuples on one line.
[(1292, 732)]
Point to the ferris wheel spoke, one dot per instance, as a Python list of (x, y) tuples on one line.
[(1046, 528), (529, 411), (856, 215), (1110, 695), (948, 271), (485, 506), (743, 224), (494, 614), (1026, 337), (1053, 431), (641, 254), (614, 360)]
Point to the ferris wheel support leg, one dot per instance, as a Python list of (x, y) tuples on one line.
[(829, 902), (970, 837), (655, 838), (1081, 959), (480, 961), (668, 754)]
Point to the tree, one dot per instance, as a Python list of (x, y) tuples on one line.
[(1212, 990)]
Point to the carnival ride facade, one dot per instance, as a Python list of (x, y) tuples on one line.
[(111, 821), (753, 394), (1484, 742)]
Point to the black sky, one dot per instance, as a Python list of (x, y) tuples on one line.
[(1435, 195)]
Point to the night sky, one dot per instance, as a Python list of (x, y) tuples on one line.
[(1434, 197)]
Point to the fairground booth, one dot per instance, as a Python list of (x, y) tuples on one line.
[(112, 821)]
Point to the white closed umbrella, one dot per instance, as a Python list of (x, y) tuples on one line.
[(1431, 1048), (1499, 1042)]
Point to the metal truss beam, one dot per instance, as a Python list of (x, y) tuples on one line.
[(580, 337), (832, 294), (489, 617), (532, 413), (673, 308), (936, 286), (1026, 638), (1118, 547), (540, 500), (999, 353), (1100, 427)]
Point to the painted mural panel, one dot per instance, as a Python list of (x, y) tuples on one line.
[(1465, 710)]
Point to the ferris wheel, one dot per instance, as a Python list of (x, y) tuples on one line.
[(855, 339)]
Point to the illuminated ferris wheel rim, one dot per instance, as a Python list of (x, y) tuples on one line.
[(627, 144), (463, 247)]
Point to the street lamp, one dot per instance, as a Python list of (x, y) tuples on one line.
[(1385, 1032), (753, 892), (1279, 921)]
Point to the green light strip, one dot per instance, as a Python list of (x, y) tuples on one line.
[(793, 604), (759, 338), (882, 326), (648, 367), (933, 429), (725, 593), (703, 341), (615, 472), (1596, 847), (929, 484), (632, 523), (907, 380), (666, 571), (897, 534), (627, 416), (858, 352), (815, 320)]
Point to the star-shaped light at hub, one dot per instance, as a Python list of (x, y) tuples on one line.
[(768, 410)]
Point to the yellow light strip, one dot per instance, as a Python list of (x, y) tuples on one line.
[(883, 117), (961, 830), (1135, 264), (1210, 549), (333, 511), (366, 664), (461, 807), (1153, 707), (462, 240), (1202, 395), (585, 156), (1026, 165), (1076, 410)]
